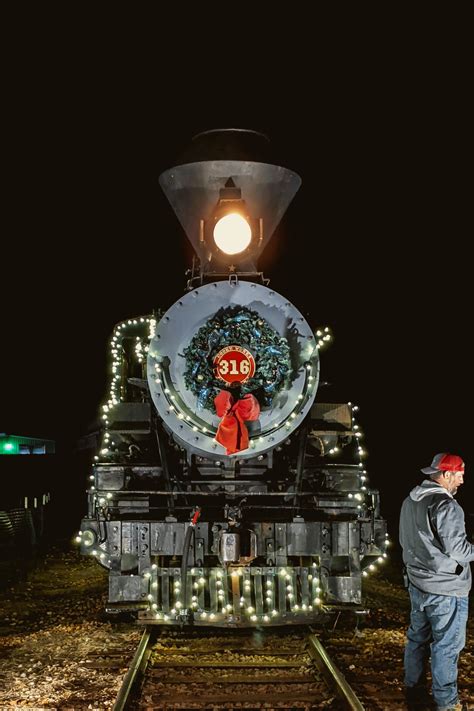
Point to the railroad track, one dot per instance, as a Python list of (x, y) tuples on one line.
[(230, 669)]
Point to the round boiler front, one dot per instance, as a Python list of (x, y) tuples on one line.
[(194, 426)]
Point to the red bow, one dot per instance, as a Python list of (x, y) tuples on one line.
[(232, 433)]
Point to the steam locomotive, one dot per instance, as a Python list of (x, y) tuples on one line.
[(224, 493)]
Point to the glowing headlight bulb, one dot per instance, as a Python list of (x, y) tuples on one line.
[(232, 234)]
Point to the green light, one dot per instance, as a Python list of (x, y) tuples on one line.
[(8, 447)]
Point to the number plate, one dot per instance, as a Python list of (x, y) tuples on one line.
[(234, 364)]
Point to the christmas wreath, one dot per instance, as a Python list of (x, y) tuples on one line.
[(237, 325)]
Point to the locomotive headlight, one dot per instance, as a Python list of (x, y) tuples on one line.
[(232, 233)]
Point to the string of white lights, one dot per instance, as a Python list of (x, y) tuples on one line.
[(363, 478), (123, 330)]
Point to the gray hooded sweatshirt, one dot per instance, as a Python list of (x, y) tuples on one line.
[(436, 551)]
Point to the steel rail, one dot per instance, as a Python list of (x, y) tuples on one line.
[(322, 661), (131, 676), (327, 667)]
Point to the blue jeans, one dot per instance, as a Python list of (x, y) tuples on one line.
[(437, 622)]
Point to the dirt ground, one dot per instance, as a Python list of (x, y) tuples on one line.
[(52, 629), (52, 625)]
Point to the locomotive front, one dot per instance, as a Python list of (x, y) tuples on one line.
[(224, 493)]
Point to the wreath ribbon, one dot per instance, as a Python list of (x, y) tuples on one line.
[(232, 432)]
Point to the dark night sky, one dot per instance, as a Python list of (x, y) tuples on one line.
[(89, 240)]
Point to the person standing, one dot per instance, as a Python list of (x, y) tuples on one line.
[(437, 556)]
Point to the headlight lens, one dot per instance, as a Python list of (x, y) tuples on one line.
[(232, 234)]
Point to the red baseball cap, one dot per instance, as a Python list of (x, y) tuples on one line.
[(445, 463)]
